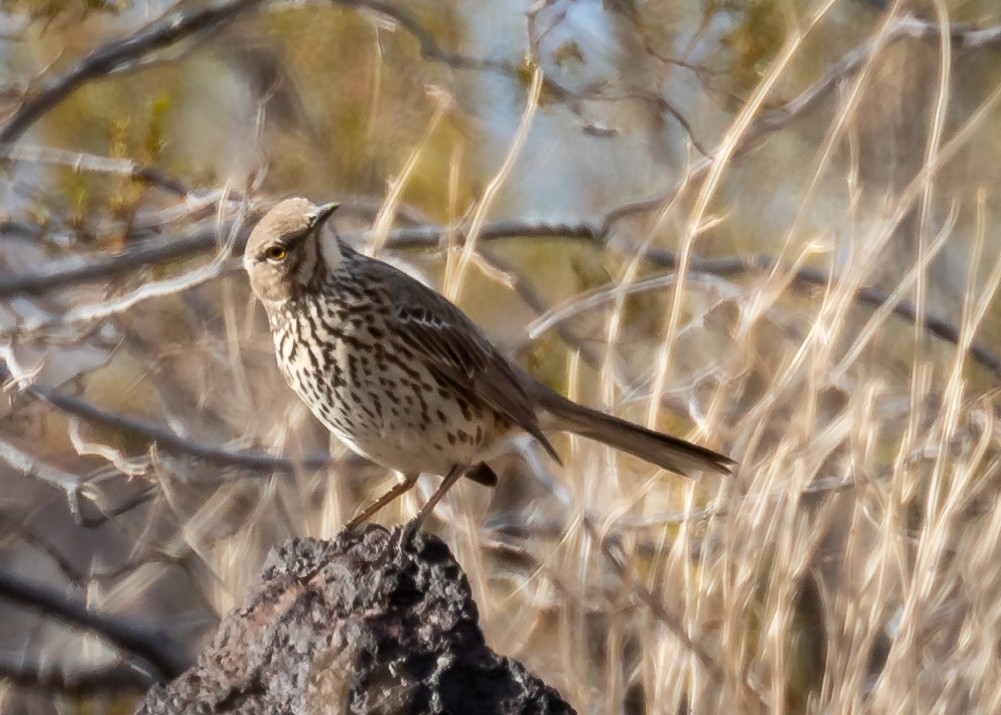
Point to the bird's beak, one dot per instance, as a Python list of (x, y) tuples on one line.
[(324, 212)]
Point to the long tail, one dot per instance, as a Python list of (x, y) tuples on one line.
[(665, 451)]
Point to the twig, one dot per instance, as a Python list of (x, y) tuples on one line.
[(169, 249), (152, 646), (430, 49), (870, 296), (18, 527), (117, 53), (164, 438), (20, 461), (21, 229), (430, 236), (963, 35), (82, 314), (161, 251), (82, 161), (526, 291), (656, 101), (428, 45), (136, 500)]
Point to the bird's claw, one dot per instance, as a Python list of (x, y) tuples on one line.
[(405, 535)]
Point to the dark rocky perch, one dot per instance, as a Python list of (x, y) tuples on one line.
[(356, 625)]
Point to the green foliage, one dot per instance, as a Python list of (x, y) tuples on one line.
[(757, 34), (48, 10), (526, 69)]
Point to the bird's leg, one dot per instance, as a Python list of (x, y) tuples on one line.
[(447, 483), (409, 530), (409, 480)]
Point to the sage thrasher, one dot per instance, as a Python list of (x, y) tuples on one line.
[(401, 375)]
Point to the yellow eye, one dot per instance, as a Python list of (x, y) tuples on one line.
[(275, 253)]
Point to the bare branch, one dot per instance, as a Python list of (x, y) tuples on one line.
[(125, 263), (164, 438), (429, 47), (164, 250), (413, 237), (963, 35), (117, 53), (151, 646), (21, 229), (658, 102), (869, 296), (138, 499), (81, 161), (17, 526), (20, 461), (526, 291)]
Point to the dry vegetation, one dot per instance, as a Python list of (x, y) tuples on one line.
[(769, 226)]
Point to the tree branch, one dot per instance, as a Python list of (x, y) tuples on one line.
[(868, 296), (413, 237), (963, 35), (115, 54), (164, 438), (151, 646), (428, 45), (169, 249), (81, 161)]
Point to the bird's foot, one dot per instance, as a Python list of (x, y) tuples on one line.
[(403, 537)]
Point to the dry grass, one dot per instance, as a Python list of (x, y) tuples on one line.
[(851, 563)]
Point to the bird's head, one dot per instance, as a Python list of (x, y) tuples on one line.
[(283, 250)]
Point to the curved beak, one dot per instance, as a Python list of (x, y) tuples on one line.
[(324, 212)]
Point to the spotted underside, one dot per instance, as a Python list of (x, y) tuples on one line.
[(339, 346)]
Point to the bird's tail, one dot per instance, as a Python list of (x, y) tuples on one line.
[(671, 453)]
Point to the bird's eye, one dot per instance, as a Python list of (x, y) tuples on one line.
[(275, 253)]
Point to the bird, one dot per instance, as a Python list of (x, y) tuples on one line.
[(402, 376)]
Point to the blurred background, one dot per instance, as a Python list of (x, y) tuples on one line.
[(768, 226)]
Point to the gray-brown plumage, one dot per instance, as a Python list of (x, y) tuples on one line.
[(400, 374)]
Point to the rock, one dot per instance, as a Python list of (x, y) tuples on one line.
[(358, 625)]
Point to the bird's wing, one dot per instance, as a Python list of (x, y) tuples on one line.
[(455, 349)]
